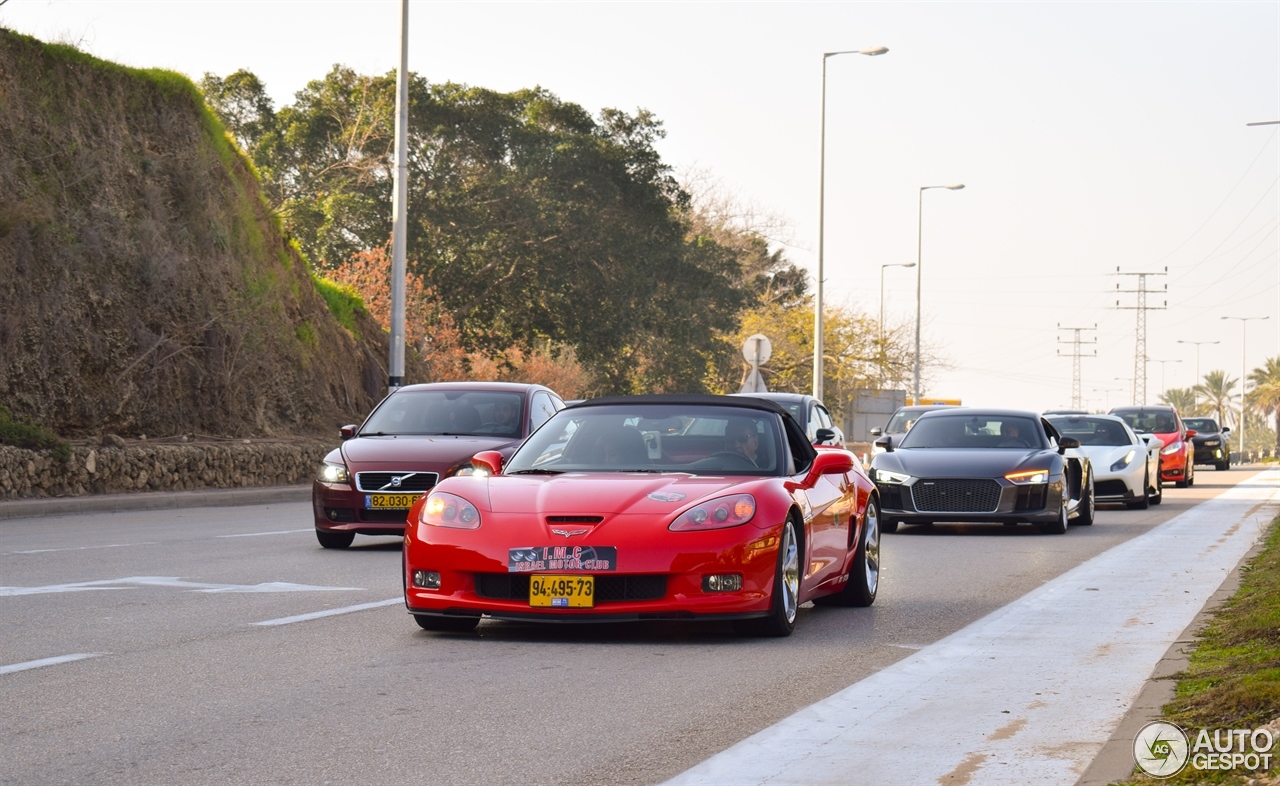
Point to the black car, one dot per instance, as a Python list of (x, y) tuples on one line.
[(970, 465), (1211, 442), (810, 413)]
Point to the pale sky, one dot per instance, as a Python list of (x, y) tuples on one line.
[(1090, 136)]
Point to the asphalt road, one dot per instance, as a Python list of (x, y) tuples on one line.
[(169, 676)]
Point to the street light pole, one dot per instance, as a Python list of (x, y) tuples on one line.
[(919, 253), (822, 193), (399, 209), (1243, 325), (882, 267), (1163, 389), (1195, 396)]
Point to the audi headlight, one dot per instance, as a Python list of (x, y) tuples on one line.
[(1171, 448), (1124, 462), (333, 472), (449, 510), (717, 514), (1028, 476), (885, 476)]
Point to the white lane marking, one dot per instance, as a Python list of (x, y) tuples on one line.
[(277, 532), (331, 612), (35, 664), (84, 548), (1031, 692), (169, 581)]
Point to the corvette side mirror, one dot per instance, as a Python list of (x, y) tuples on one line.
[(489, 461), (347, 432)]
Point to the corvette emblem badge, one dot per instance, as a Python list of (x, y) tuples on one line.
[(569, 533)]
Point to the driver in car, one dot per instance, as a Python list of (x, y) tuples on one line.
[(741, 437)]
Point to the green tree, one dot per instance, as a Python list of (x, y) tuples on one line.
[(1182, 399), (532, 221), (1216, 389), (1264, 397)]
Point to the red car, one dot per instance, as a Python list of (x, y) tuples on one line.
[(1177, 457), (645, 508), (416, 436)]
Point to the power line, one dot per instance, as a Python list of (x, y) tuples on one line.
[(1075, 343), (1140, 348)]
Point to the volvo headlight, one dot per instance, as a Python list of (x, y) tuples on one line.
[(1171, 448), (885, 476), (333, 472), (1124, 462), (1028, 476)]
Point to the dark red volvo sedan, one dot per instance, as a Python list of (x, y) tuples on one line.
[(417, 436)]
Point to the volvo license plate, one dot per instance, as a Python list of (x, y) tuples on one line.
[(390, 501)]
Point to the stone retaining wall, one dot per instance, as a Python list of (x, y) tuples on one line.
[(26, 474)]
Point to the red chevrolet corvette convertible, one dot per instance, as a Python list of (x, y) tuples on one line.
[(648, 508)]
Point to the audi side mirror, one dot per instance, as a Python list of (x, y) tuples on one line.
[(885, 444), (1068, 443)]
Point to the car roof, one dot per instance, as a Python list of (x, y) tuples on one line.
[(694, 399), (513, 387), (1082, 415), (792, 397), (982, 412), (1144, 408), (925, 407)]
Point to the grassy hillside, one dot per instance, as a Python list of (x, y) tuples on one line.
[(144, 287)]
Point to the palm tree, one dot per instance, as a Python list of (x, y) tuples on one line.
[(1265, 395), (1216, 389), (1181, 399)]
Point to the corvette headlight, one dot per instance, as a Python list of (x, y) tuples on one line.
[(885, 476), (1028, 476), (443, 509), (717, 514), (1124, 462), (1171, 448), (333, 472)]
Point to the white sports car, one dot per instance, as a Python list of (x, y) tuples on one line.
[(1120, 473)]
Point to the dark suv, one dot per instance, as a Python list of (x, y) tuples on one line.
[(1210, 442), (1176, 464)]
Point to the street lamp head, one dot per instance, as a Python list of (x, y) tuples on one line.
[(956, 186), (873, 51), (908, 264)]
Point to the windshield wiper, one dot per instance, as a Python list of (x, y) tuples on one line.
[(536, 472), (374, 434)]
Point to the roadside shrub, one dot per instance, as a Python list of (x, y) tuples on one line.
[(31, 437)]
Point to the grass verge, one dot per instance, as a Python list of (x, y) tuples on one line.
[(1233, 678)]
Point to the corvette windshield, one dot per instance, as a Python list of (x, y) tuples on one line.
[(700, 440), (974, 431), (447, 412), (1152, 422), (1093, 431)]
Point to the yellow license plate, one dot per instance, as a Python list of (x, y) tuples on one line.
[(390, 501), (562, 592)]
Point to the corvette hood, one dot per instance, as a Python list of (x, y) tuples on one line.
[(602, 494), (418, 449), (956, 463)]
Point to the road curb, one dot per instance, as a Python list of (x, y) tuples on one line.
[(159, 500), (1115, 761)]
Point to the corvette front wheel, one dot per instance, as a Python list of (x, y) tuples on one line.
[(781, 620)]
